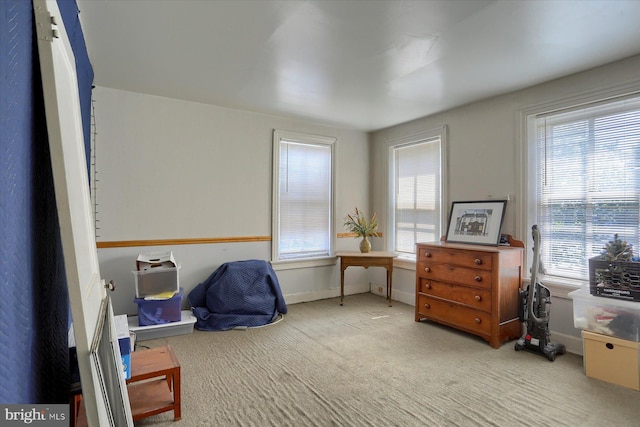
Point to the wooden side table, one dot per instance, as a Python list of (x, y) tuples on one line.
[(366, 260), (154, 386)]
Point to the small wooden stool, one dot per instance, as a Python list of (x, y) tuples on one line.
[(154, 386)]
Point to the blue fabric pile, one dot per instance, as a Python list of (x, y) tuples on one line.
[(238, 294)]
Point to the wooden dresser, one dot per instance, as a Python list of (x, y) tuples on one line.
[(472, 288)]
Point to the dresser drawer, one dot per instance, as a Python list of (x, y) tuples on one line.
[(454, 315), (476, 298), (461, 258), (454, 274)]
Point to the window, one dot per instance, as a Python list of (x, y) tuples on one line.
[(416, 188), (303, 196), (586, 182)]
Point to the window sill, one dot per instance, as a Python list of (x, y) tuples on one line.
[(560, 286), (405, 263), (303, 263)]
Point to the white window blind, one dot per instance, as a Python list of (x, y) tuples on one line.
[(417, 206), (304, 197), (588, 183)]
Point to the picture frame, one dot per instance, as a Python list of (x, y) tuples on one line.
[(476, 222)]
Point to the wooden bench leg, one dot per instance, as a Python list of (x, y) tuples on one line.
[(177, 402)]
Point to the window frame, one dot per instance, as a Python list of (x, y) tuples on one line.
[(309, 139), (407, 260), (527, 216)]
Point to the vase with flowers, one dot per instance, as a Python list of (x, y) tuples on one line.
[(363, 227)]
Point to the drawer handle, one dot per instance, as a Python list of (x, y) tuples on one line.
[(478, 320), (427, 306), (427, 285), (427, 269), (478, 278), (427, 255), (478, 298), (478, 261)]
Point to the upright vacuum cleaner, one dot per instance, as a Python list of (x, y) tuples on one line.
[(534, 311)]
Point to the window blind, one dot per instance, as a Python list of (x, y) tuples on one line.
[(417, 206), (588, 183), (305, 200)]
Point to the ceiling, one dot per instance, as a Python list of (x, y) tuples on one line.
[(362, 65)]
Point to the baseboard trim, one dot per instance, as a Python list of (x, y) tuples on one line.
[(572, 343), (396, 295), (326, 293), (363, 288)]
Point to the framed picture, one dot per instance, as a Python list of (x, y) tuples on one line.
[(477, 222)]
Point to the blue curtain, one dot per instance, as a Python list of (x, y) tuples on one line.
[(34, 360)]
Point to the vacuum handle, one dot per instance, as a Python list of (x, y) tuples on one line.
[(535, 234)]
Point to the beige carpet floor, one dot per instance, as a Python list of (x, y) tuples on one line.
[(367, 364)]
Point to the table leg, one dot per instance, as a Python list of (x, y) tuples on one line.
[(389, 284), (341, 283)]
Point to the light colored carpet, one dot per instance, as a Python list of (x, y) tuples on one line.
[(367, 364)]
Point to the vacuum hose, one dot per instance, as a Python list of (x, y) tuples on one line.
[(534, 293)]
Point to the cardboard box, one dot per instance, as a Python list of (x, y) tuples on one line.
[(157, 281), (124, 342), (148, 260), (613, 360), (614, 279), (606, 316), (159, 311)]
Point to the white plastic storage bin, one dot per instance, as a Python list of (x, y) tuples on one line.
[(157, 281), (607, 316), (142, 333)]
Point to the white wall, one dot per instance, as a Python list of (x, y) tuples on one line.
[(483, 152), (171, 169), (176, 169)]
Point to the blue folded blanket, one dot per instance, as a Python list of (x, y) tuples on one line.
[(238, 294)]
